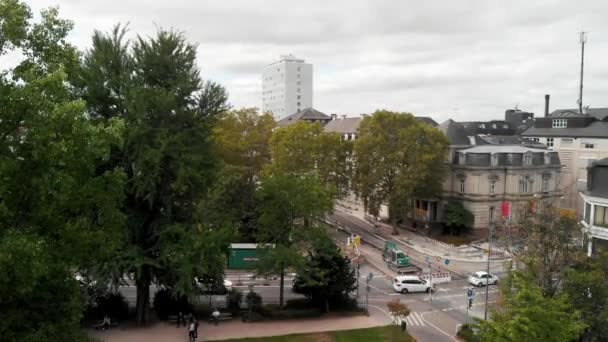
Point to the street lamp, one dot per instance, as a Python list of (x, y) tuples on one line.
[(250, 300)]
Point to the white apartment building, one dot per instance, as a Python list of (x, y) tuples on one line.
[(286, 87), (595, 217), (579, 139)]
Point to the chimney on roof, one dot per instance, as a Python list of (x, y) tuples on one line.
[(547, 96), (334, 116)]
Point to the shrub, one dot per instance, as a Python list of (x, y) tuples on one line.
[(234, 301), (466, 333), (298, 303), (114, 305), (275, 312), (166, 304), (255, 300)]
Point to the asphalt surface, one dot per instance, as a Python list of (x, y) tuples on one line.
[(432, 318)]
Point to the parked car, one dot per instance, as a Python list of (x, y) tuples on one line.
[(212, 288), (482, 278), (409, 283)]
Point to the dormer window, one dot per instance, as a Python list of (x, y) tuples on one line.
[(527, 159), (494, 159), (560, 123)]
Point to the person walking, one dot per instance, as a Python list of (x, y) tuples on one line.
[(181, 318), (195, 328), (191, 329)]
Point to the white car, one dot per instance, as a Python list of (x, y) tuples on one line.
[(482, 278), (408, 283)]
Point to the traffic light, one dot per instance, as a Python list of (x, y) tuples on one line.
[(470, 302)]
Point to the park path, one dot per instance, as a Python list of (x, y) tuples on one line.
[(237, 329)]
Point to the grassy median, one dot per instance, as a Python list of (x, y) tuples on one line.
[(378, 334)]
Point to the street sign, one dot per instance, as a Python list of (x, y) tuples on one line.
[(470, 293), (370, 276), (447, 262)]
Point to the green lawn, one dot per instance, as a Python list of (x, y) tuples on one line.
[(380, 334)]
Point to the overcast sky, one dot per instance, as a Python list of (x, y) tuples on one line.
[(466, 60)]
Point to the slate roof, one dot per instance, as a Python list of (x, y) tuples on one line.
[(497, 127), (343, 126), (483, 139), (503, 149), (598, 113), (597, 179), (602, 162), (597, 129), (455, 132), (304, 114)]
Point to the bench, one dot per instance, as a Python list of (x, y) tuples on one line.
[(224, 316), (99, 325)]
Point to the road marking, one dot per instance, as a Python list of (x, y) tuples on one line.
[(456, 295), (414, 320), (379, 237), (436, 327), (377, 289)]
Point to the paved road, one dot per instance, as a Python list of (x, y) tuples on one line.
[(429, 320)]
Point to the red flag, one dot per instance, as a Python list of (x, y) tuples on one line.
[(504, 208)]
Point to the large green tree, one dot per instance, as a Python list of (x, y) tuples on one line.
[(168, 155), (395, 157), (289, 209), (242, 142), (586, 286), (527, 315), (58, 213), (542, 243), (304, 148), (326, 277)]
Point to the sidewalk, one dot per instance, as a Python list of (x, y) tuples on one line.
[(461, 260), (163, 332)]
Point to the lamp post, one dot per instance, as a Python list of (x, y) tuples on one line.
[(491, 228), (250, 299)]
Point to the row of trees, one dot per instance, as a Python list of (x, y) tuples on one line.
[(120, 160), (554, 292)]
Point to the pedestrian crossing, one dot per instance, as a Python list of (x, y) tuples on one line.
[(414, 319)]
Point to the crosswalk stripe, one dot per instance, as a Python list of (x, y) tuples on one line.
[(414, 320)]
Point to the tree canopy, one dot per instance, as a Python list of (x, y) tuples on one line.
[(168, 154), (395, 157), (527, 315), (59, 214), (305, 149), (326, 276), (289, 209)]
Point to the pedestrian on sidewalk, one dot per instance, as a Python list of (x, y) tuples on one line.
[(180, 318), (191, 330), (195, 327), (403, 325)]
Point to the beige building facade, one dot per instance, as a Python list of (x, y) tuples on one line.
[(483, 177)]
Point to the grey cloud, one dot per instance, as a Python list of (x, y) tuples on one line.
[(467, 59)]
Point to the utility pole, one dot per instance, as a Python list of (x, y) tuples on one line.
[(491, 226), (430, 283), (582, 40)]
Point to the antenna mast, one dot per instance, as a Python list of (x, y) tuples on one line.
[(582, 40)]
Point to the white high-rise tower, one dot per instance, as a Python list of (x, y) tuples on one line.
[(286, 87)]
